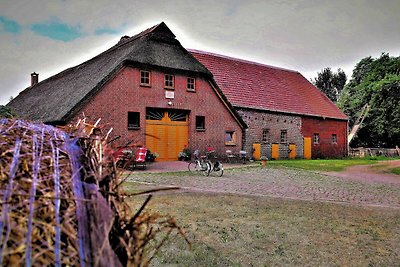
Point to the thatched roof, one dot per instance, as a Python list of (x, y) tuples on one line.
[(60, 97)]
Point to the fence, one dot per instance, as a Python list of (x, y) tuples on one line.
[(362, 152)]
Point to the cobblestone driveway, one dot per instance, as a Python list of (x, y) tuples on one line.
[(281, 183)]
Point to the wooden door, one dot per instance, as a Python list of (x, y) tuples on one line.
[(307, 147), (275, 151), (292, 151), (256, 151), (166, 133)]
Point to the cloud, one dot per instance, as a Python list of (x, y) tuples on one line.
[(10, 26), (304, 35), (57, 30)]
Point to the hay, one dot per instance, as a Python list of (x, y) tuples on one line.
[(62, 203)]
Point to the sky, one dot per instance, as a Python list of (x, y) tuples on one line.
[(48, 36)]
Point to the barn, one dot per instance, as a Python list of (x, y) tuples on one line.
[(149, 89), (287, 116), (154, 92)]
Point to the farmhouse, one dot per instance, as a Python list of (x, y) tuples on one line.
[(287, 116), (154, 92)]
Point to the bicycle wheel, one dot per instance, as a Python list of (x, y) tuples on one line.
[(193, 166), (206, 168), (218, 169)]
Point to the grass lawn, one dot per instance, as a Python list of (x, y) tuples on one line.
[(395, 171), (232, 230), (334, 165)]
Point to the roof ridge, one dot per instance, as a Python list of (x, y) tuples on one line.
[(241, 60)]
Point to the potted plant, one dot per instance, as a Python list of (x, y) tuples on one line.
[(263, 160), (184, 154)]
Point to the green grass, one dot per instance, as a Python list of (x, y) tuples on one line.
[(395, 171), (321, 164), (231, 230)]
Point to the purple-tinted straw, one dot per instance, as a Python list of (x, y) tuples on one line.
[(7, 194)]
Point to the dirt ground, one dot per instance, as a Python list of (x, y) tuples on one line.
[(371, 173), (358, 185)]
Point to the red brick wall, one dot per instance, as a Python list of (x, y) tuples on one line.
[(123, 94), (325, 128)]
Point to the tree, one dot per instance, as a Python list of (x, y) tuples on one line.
[(6, 112), (331, 84), (375, 82)]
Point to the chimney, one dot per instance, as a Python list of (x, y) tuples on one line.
[(34, 78), (123, 39)]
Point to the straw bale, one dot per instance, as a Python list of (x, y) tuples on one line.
[(62, 203)]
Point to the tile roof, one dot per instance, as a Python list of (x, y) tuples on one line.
[(253, 85)]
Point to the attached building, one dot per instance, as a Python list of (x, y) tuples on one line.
[(154, 92), (287, 116)]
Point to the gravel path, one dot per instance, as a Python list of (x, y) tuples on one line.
[(281, 183)]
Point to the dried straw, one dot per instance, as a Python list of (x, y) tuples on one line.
[(62, 203)]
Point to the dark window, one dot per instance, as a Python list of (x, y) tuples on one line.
[(200, 123), (177, 115), (133, 120), (316, 138), (334, 139), (191, 84), (265, 135), (169, 81), (283, 136), (145, 78)]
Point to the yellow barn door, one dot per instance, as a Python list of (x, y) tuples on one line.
[(166, 133), (292, 151), (275, 151), (307, 147), (256, 151)]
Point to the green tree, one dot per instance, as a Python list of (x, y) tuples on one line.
[(375, 82), (330, 83), (6, 112)]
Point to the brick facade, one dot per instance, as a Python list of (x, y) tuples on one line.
[(325, 128), (257, 121), (123, 94)]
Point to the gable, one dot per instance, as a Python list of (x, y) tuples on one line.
[(60, 97)]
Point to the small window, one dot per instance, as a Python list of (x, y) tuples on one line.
[(191, 84), (230, 138), (283, 136), (316, 138), (200, 123), (334, 139), (145, 78), (169, 81), (133, 120), (265, 135)]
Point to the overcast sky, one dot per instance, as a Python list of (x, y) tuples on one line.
[(304, 35)]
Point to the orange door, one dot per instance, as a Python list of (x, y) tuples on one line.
[(256, 151), (275, 151), (307, 147), (167, 135), (292, 149)]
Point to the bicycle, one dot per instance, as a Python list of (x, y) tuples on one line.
[(199, 164), (215, 166)]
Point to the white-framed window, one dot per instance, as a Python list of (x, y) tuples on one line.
[(334, 139), (191, 84), (169, 81), (145, 78), (316, 139), (283, 136), (230, 138), (265, 135)]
